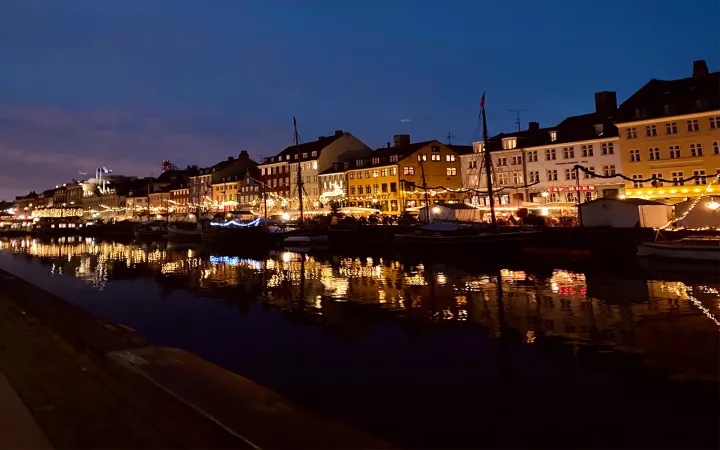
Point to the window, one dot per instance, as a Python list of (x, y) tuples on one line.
[(359, 174), (637, 184), (367, 189), (359, 162), (693, 125), (517, 179), (367, 174), (472, 164), (360, 189), (677, 179), (701, 175), (435, 148), (408, 170), (451, 171), (502, 161), (351, 175), (450, 158), (509, 143), (314, 153), (568, 152), (608, 148), (393, 205), (553, 136), (552, 175), (393, 158), (599, 129), (671, 128), (435, 157), (553, 197), (571, 197), (304, 155), (716, 148), (376, 188), (352, 189), (569, 174), (532, 156), (715, 123), (422, 157), (588, 174), (632, 133), (634, 155), (376, 160), (609, 171), (550, 154), (393, 171), (656, 177), (587, 150), (516, 160), (653, 153), (674, 151), (502, 179), (393, 187), (534, 177), (650, 130), (383, 172), (376, 173), (696, 150)]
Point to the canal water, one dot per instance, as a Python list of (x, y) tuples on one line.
[(425, 353)]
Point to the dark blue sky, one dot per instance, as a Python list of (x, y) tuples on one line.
[(129, 83)]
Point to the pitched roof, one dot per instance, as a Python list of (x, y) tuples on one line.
[(461, 149), (663, 98), (306, 149)]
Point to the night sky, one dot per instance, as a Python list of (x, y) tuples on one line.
[(127, 84)]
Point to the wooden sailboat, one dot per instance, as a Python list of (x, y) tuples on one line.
[(467, 235)]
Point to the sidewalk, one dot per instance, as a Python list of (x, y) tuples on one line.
[(17, 426)]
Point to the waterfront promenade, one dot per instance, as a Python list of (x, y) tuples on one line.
[(72, 380)]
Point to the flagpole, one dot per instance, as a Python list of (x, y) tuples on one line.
[(488, 163)]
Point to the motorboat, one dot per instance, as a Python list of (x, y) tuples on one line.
[(699, 248), (184, 230), (452, 234)]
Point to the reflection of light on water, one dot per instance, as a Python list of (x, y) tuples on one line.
[(441, 278), (415, 280), (513, 275), (530, 337)]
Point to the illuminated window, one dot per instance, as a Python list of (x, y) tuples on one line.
[(634, 155), (509, 143), (304, 155), (383, 172), (451, 171), (376, 160), (393, 158), (696, 150), (351, 175), (393, 171), (376, 188), (367, 174), (314, 153), (449, 158), (435, 157), (693, 125), (671, 128), (407, 170), (376, 173), (553, 136), (422, 157)]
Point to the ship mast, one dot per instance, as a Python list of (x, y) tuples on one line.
[(488, 162), (299, 172)]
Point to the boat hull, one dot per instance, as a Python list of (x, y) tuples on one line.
[(709, 253)]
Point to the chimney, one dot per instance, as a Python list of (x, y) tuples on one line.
[(243, 155), (230, 158), (339, 132), (605, 103), (700, 68), (533, 126), (401, 140), (388, 145)]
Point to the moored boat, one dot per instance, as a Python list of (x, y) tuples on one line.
[(698, 248), (184, 230), (462, 235)]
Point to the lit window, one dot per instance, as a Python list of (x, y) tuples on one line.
[(435, 157), (304, 155), (376, 173), (393, 158), (351, 175), (314, 153), (408, 170), (451, 171), (553, 136), (393, 171), (449, 158), (376, 160), (367, 174), (422, 157), (383, 172), (693, 125), (359, 175), (509, 143), (634, 155)]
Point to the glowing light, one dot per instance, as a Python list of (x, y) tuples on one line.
[(684, 191), (436, 210), (661, 191), (629, 192), (544, 212), (545, 194), (673, 191), (712, 205), (286, 216), (622, 197)]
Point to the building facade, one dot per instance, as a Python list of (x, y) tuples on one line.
[(403, 176), (180, 199), (671, 130)]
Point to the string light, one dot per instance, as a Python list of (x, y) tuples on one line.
[(708, 188)]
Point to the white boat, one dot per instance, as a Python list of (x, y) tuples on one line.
[(699, 248)]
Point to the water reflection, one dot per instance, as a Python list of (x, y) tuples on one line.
[(673, 323)]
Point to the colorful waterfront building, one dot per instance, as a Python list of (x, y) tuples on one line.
[(404, 175), (670, 129)]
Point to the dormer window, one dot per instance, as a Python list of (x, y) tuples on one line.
[(376, 160), (314, 154), (287, 157), (553, 136), (599, 129), (393, 158), (295, 156), (478, 147), (359, 163), (304, 155), (509, 143)]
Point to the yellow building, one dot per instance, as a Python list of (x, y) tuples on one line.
[(224, 195), (671, 130), (391, 179)]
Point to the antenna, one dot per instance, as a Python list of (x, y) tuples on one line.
[(450, 137), (517, 116)]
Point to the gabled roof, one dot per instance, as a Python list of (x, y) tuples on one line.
[(461, 149), (306, 149), (382, 155), (663, 98)]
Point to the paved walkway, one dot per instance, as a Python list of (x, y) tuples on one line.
[(17, 426)]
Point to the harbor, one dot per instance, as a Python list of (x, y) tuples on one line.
[(384, 341)]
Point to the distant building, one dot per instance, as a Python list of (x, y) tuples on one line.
[(671, 129)]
